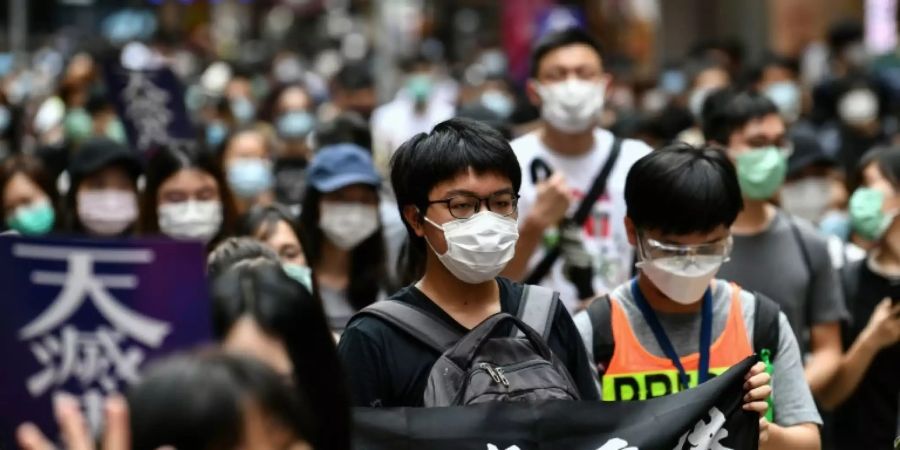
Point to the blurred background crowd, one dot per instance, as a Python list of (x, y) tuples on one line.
[(296, 107)]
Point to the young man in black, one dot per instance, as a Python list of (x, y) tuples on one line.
[(457, 191)]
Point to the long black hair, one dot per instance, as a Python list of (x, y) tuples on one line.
[(367, 261), (167, 162), (198, 401), (283, 308)]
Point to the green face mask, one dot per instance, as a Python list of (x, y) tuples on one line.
[(116, 131), (32, 220), (300, 273), (761, 172), (867, 216), (420, 87), (78, 125)]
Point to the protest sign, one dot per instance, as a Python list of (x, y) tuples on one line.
[(709, 416), (84, 316), (150, 103)]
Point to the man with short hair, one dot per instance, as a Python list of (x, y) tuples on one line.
[(568, 83), (775, 254), (457, 191), (643, 337)]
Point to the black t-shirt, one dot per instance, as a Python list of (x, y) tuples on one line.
[(387, 367), (869, 418)]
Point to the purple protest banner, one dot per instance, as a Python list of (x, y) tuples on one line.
[(84, 317), (150, 103)]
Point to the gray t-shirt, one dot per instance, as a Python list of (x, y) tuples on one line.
[(792, 398), (772, 263)]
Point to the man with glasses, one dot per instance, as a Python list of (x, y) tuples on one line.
[(775, 254), (457, 191), (643, 337)]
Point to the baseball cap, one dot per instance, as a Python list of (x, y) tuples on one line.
[(340, 165)]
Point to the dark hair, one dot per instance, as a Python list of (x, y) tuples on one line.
[(368, 274), (425, 160), (696, 66), (560, 39), (168, 161), (283, 308), (234, 250), (681, 189), (198, 400), (33, 169), (265, 218), (778, 60), (269, 110), (728, 110), (353, 77), (887, 158), (347, 127), (72, 222)]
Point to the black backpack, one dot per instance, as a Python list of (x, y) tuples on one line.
[(480, 366), (765, 328)]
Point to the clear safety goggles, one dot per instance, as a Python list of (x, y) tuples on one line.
[(717, 252)]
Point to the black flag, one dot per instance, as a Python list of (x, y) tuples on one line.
[(706, 417)]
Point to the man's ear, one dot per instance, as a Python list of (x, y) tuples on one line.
[(414, 219), (631, 231), (531, 90)]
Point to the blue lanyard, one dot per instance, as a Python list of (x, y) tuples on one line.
[(666, 344)]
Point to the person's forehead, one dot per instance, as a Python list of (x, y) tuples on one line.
[(769, 125), (690, 239), (577, 54), (484, 183)]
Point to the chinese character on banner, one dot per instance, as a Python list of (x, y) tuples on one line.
[(83, 317), (150, 103)]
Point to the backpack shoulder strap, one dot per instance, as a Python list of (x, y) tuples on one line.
[(766, 325), (537, 308), (581, 213), (414, 321), (603, 343)]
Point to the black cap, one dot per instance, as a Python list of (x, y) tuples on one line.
[(807, 152), (98, 153)]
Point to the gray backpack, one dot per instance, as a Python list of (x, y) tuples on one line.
[(480, 366)]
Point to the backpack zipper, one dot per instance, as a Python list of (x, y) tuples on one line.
[(491, 371), (503, 379)]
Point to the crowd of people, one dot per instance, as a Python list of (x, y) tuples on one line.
[(743, 205)]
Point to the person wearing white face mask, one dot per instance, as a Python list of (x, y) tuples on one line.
[(186, 197), (456, 189), (102, 199), (643, 337), (342, 233), (569, 85)]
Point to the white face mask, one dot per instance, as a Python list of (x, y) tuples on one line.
[(682, 282), (696, 100), (348, 224), (572, 106), (478, 248), (107, 212), (197, 220), (808, 198), (858, 107)]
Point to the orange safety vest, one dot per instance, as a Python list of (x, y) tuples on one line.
[(635, 374)]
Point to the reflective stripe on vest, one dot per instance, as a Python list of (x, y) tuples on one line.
[(635, 374)]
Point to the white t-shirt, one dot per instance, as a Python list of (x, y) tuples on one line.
[(604, 233), (395, 122)]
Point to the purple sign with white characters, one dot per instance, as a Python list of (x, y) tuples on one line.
[(83, 317)]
